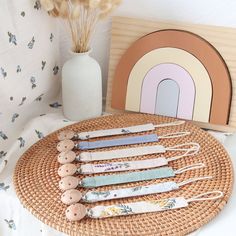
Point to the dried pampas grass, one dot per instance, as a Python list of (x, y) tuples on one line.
[(82, 16)]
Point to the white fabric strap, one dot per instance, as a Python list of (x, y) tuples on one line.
[(117, 131), (137, 207), (193, 148), (125, 130), (120, 153), (122, 166), (135, 165)]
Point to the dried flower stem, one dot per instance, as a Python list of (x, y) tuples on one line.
[(82, 17)]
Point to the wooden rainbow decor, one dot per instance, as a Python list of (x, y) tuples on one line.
[(170, 71)]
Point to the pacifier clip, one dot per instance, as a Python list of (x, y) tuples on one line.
[(67, 145), (71, 169), (69, 134), (70, 156), (78, 211), (73, 196), (72, 182)]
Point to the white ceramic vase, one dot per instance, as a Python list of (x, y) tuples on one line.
[(81, 87)]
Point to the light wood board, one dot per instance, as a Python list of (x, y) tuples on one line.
[(126, 31)]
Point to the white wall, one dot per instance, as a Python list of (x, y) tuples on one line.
[(213, 12)]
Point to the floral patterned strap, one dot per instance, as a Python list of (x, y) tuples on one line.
[(93, 196), (125, 130), (137, 207), (78, 211), (149, 206), (96, 196)]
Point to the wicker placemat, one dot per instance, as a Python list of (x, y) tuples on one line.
[(36, 183)]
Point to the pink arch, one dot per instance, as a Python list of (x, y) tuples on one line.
[(176, 73)]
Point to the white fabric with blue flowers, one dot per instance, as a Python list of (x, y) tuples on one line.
[(29, 104)]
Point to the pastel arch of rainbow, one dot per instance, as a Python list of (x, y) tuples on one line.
[(182, 78), (199, 77), (203, 83)]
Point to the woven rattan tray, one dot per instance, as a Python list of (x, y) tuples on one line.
[(36, 183)]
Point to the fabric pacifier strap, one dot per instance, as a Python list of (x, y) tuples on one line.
[(118, 142), (122, 166), (85, 145), (117, 131), (125, 130), (149, 206), (189, 148), (133, 165), (157, 173), (97, 181), (120, 153), (137, 207), (95, 196)]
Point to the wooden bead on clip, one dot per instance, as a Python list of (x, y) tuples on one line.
[(65, 145), (68, 182), (71, 196), (66, 157), (67, 170), (66, 134), (76, 212)]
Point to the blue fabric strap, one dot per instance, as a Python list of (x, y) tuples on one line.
[(91, 182), (117, 142)]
